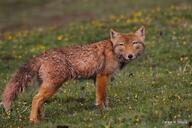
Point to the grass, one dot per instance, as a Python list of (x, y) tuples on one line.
[(150, 91)]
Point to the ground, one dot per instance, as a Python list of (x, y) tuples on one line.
[(153, 91)]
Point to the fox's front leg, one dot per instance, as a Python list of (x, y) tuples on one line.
[(101, 82)]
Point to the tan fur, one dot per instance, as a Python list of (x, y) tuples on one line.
[(98, 61)]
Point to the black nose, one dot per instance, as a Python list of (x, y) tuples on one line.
[(130, 56)]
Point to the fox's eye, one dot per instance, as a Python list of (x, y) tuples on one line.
[(135, 42), (121, 43)]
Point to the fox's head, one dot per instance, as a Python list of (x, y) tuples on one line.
[(128, 46)]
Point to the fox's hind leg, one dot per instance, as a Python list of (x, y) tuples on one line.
[(45, 91), (40, 114)]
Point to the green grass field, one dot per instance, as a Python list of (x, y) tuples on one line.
[(154, 91)]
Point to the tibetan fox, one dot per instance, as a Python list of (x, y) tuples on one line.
[(97, 61)]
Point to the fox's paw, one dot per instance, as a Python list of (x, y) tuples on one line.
[(41, 115), (102, 104), (34, 120)]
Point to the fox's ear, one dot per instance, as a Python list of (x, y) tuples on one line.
[(113, 34), (141, 32)]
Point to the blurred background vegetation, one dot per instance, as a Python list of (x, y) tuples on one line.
[(25, 14)]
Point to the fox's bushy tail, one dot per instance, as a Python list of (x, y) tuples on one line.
[(19, 81)]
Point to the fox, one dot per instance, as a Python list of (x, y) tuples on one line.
[(98, 61)]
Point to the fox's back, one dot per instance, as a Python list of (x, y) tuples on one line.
[(80, 61)]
